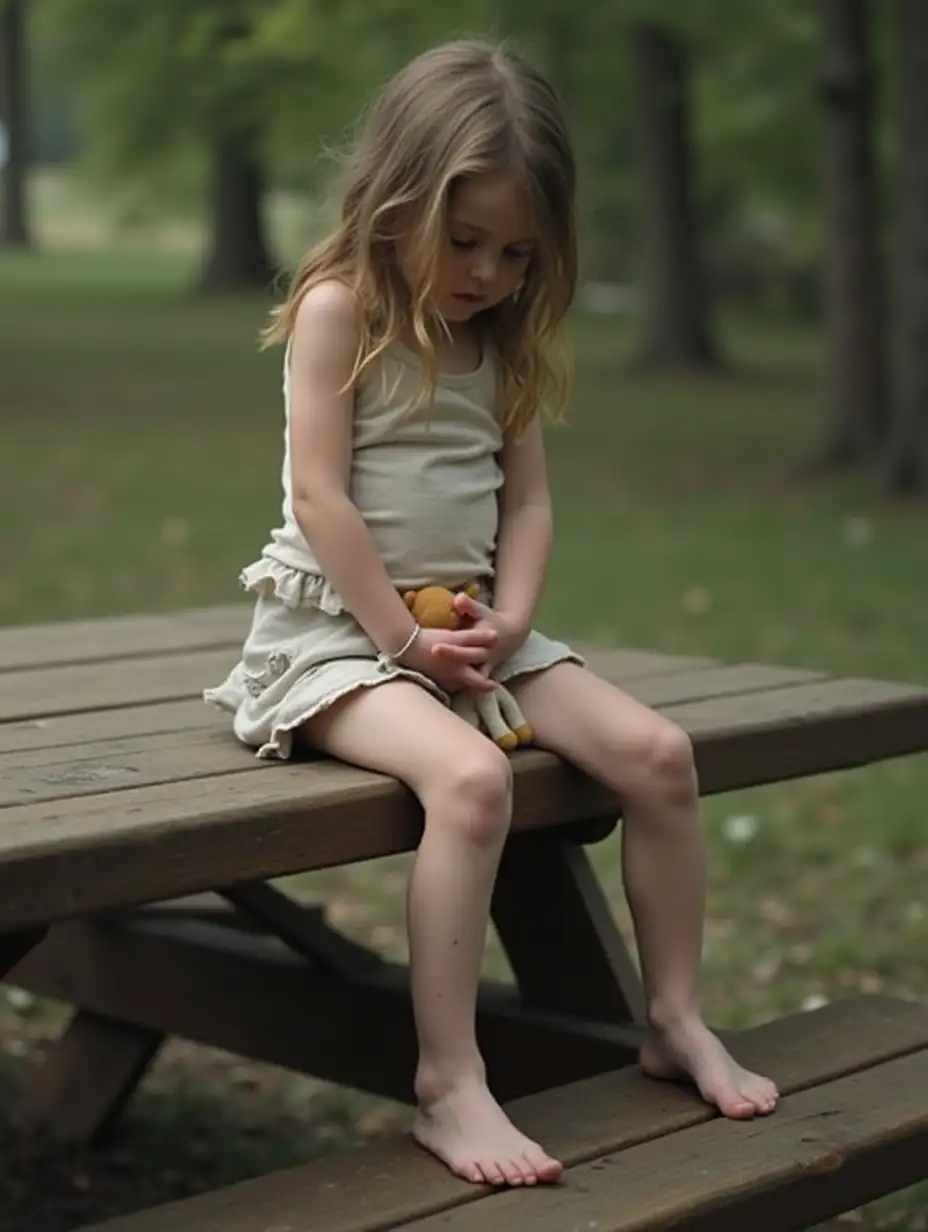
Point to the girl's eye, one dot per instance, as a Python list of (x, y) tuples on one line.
[(518, 254), (463, 245)]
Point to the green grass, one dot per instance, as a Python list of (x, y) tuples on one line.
[(139, 471)]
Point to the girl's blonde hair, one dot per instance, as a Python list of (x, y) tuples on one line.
[(460, 110)]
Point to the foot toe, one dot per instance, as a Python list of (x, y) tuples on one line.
[(542, 1166), (740, 1110), (493, 1172), (763, 1094), (549, 1170), (513, 1172)]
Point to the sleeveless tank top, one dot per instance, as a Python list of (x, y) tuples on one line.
[(425, 478)]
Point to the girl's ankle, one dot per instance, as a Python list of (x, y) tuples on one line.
[(435, 1079), (665, 1015)]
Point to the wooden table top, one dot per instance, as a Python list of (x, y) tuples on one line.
[(118, 785)]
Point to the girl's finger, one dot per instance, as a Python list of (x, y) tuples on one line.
[(464, 605), (460, 654), (482, 635)]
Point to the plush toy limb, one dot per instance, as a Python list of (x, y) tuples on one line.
[(491, 716), (503, 720), (513, 716), (497, 713)]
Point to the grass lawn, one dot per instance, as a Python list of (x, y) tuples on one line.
[(139, 467)]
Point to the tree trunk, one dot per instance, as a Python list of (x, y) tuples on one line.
[(906, 468), (677, 317), (857, 413), (14, 227), (238, 258)]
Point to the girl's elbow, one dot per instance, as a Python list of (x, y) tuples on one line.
[(313, 504)]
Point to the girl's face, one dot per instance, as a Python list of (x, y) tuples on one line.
[(490, 239)]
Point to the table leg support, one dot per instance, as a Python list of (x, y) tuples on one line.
[(15, 946), (557, 928), (87, 1078)]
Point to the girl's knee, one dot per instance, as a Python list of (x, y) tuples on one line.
[(667, 765), (474, 792)]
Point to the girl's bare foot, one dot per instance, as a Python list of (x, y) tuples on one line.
[(467, 1130), (687, 1048)]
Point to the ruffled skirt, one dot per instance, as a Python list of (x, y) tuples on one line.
[(304, 652)]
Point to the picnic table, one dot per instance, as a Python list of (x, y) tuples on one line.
[(139, 847)]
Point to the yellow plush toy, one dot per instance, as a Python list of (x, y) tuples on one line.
[(498, 712)]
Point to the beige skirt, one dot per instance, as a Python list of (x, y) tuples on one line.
[(300, 658)]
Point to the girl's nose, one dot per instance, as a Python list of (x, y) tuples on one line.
[(485, 267)]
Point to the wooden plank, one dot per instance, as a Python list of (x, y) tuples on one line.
[(302, 927), (96, 852), (662, 684), (207, 907), (392, 1181), (114, 765), (121, 760), (44, 692), (252, 997), (38, 693), (122, 637), (105, 725), (156, 718), (86, 1079), (812, 729), (824, 1152)]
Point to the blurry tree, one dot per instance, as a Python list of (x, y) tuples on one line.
[(677, 315), (907, 455), (857, 413), (241, 90), (168, 82), (706, 186), (14, 224), (758, 151), (634, 134)]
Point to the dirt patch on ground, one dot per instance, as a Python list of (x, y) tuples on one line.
[(200, 1119)]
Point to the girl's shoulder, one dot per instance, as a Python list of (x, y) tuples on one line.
[(330, 305), (323, 342)]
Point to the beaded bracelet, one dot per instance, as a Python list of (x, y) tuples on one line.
[(386, 660)]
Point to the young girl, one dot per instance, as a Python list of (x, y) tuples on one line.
[(417, 361)]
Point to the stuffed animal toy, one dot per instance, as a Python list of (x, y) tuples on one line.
[(497, 713)]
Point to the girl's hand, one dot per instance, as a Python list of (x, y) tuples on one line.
[(455, 659), (510, 634)]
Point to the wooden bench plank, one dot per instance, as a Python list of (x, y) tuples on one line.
[(659, 687), (64, 857), (137, 761), (122, 637), (391, 1181), (824, 1152), (34, 735), (812, 729), (36, 693)]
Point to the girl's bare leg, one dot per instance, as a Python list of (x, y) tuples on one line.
[(465, 786), (648, 762)]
